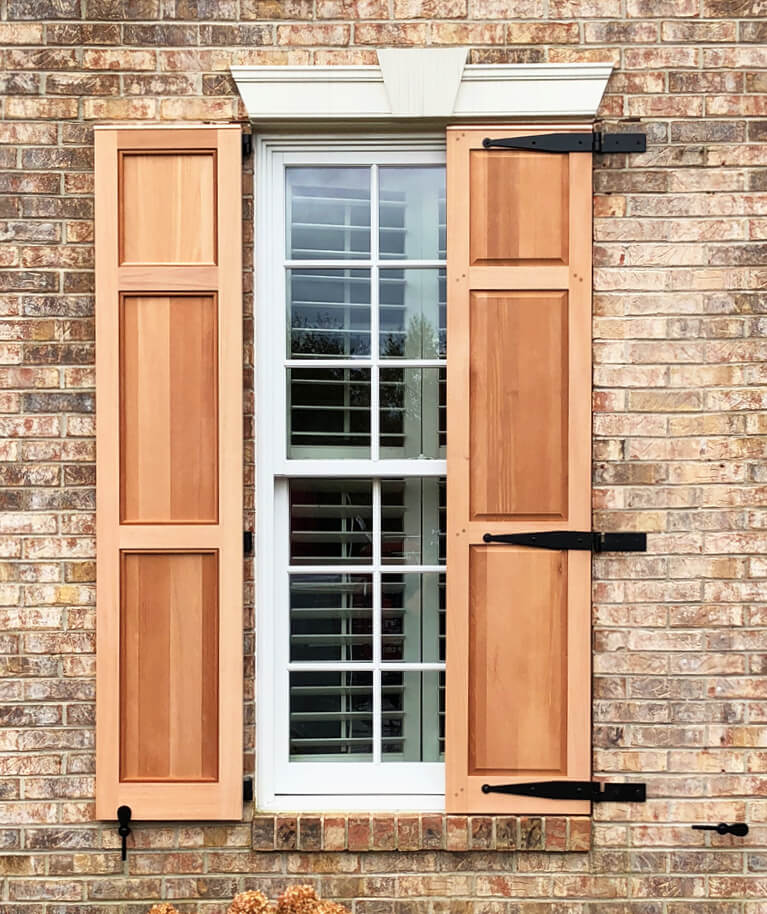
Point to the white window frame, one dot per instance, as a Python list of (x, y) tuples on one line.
[(316, 786)]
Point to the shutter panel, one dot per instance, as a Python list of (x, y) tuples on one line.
[(169, 472), (519, 435)]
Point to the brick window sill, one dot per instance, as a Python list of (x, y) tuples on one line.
[(427, 832)]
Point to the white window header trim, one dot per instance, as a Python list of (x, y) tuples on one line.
[(421, 83)]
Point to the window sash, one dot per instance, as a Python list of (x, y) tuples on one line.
[(283, 784)]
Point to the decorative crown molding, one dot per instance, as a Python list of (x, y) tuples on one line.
[(422, 83)]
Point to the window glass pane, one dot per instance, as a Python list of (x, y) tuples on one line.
[(328, 412), (411, 413), (331, 521), (413, 617), (331, 617), (412, 726), (331, 716), (413, 521), (327, 213), (413, 314), (328, 313), (411, 213)]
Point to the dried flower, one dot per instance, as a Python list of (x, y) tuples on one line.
[(330, 907), (302, 899), (298, 899), (250, 903)]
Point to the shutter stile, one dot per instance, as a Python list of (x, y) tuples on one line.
[(518, 457), (169, 472)]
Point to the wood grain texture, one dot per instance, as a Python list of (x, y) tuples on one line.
[(519, 373), (169, 409), (519, 207), (518, 460), (169, 666), (167, 207), (517, 661)]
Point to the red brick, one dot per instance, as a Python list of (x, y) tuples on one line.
[(358, 833), (430, 9), (408, 833), (396, 34), (334, 833), (40, 107), (297, 35)]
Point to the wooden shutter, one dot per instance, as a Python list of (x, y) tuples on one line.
[(169, 465), (518, 460)]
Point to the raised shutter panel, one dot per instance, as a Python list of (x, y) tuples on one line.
[(169, 472), (518, 460)]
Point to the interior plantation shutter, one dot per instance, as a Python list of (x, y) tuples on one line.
[(169, 472), (518, 461)]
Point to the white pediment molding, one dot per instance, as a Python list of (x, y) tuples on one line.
[(410, 83)]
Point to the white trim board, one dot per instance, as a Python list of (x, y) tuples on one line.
[(421, 83)]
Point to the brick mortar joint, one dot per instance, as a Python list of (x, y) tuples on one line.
[(407, 832)]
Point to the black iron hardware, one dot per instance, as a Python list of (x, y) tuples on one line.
[(739, 829), (123, 817), (572, 142), (247, 542), (588, 540), (595, 791), (247, 790), (247, 145)]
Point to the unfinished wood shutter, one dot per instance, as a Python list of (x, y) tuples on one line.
[(518, 460), (169, 472)]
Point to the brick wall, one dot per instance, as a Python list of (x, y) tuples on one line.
[(681, 435)]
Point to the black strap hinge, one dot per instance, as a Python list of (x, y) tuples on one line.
[(594, 791), (572, 142), (588, 540)]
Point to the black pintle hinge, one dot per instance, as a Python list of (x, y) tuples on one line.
[(247, 790), (247, 145), (587, 540), (247, 542), (572, 142), (594, 791)]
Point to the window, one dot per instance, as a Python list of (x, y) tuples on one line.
[(351, 474), (351, 463)]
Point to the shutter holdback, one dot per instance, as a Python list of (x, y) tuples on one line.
[(123, 817), (738, 829)]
